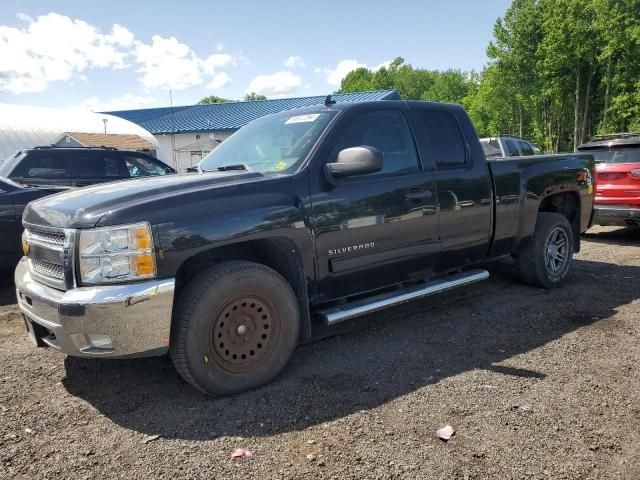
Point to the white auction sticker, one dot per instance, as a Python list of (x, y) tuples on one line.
[(310, 117)]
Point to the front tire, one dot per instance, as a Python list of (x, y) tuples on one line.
[(234, 328), (546, 258)]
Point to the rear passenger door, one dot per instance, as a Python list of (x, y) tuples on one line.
[(91, 167), (463, 184), (44, 167)]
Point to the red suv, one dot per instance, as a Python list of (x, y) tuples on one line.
[(617, 200)]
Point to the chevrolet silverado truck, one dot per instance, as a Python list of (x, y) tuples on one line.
[(312, 215)]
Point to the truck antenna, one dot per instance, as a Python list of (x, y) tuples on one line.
[(328, 101)]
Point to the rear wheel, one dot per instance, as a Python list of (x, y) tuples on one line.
[(234, 328), (546, 258)]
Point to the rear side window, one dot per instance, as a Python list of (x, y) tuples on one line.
[(615, 155), (512, 148), (526, 148), (389, 132), (143, 167), (445, 138), (97, 166), (43, 165)]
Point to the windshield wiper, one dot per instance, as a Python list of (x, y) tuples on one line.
[(226, 168)]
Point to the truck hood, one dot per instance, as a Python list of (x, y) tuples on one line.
[(84, 207)]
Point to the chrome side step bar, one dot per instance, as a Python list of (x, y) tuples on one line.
[(385, 300)]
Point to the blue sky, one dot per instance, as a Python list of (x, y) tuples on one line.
[(129, 54)]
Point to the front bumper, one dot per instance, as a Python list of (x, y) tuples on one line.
[(616, 215), (115, 321)]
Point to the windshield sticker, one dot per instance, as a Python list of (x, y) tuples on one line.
[(310, 117), (280, 165)]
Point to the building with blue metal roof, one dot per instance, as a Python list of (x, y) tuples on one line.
[(186, 133)]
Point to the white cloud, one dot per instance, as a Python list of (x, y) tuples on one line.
[(166, 63), (294, 61), (121, 36), (213, 62), (56, 48), (169, 64), (220, 47), (24, 17), (125, 102), (219, 80), (386, 64), (335, 75), (344, 67), (279, 83)]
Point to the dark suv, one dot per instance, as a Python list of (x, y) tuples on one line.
[(79, 167)]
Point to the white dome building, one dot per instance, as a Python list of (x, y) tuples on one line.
[(27, 127)]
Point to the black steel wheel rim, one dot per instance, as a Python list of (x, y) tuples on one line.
[(244, 333)]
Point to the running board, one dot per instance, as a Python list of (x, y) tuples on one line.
[(385, 300)]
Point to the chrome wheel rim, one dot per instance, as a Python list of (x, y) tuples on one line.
[(556, 251)]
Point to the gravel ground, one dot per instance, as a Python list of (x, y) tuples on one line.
[(535, 383)]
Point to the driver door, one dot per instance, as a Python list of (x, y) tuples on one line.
[(376, 229)]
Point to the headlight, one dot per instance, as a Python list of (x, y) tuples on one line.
[(116, 254)]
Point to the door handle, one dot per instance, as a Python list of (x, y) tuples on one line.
[(418, 194), (83, 184)]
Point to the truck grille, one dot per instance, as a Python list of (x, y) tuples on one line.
[(48, 270), (49, 256), (46, 237)]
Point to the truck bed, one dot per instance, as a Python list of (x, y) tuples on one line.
[(521, 182)]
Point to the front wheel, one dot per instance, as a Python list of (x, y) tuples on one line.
[(234, 328), (546, 258)]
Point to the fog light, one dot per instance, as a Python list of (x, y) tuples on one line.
[(102, 342)]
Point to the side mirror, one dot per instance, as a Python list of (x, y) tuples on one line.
[(355, 161)]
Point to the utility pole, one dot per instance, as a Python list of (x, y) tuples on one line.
[(173, 133)]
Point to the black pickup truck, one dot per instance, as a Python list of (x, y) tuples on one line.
[(317, 214)]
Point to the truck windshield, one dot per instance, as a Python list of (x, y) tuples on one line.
[(272, 144), (616, 155)]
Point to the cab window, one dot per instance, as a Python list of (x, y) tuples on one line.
[(389, 132), (97, 166), (512, 148), (526, 149), (43, 166), (143, 167), (445, 139)]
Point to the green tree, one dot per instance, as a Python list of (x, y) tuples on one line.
[(214, 99), (249, 97)]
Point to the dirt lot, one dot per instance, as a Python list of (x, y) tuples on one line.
[(536, 384)]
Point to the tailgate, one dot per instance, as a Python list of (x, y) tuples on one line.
[(618, 183)]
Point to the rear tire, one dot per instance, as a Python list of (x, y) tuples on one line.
[(546, 258), (234, 328)]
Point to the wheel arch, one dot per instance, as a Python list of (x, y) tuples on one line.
[(567, 204), (278, 253)]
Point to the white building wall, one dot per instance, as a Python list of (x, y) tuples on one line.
[(173, 143)]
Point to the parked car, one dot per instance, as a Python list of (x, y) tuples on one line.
[(52, 170), (505, 147), (617, 157), (13, 199), (79, 167), (322, 212)]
